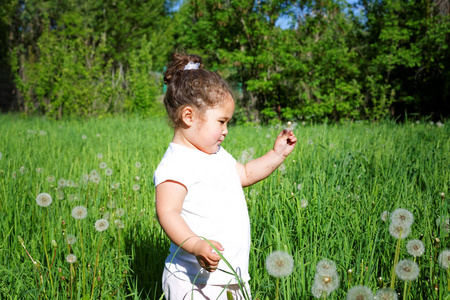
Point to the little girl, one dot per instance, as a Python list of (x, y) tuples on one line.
[(199, 196)]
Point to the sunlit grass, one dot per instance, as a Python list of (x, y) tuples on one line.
[(346, 175)]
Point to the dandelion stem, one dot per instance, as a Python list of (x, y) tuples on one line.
[(404, 290), (397, 254), (448, 280), (82, 258), (45, 250), (278, 290), (96, 263)]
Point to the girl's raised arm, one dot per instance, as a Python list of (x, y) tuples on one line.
[(258, 169)]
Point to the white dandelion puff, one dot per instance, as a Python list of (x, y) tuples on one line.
[(108, 172), (136, 178), (79, 212), (95, 179), (51, 178), (60, 194), (84, 137), (279, 264), (444, 259), (384, 216), (101, 225), (360, 292), (398, 231), (39, 170), (402, 217), (136, 187), (71, 239), (138, 165), (443, 222), (44, 199), (326, 267), (299, 186), (303, 203), (407, 270), (106, 215), (102, 165), (120, 212), (71, 258), (386, 294), (111, 204), (415, 248), (115, 185), (62, 183), (324, 284), (119, 223), (99, 155), (94, 172)]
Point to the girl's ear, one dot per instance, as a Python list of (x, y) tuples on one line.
[(187, 115)]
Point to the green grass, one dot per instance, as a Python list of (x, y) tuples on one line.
[(349, 174)]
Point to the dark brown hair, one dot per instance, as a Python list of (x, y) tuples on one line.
[(199, 88)]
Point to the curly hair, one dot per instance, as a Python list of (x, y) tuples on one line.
[(199, 88)]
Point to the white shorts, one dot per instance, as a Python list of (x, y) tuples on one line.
[(178, 289)]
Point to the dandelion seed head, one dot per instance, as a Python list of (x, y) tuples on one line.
[(71, 239), (407, 270), (120, 212), (360, 292), (384, 215), (108, 172), (51, 178), (398, 231), (44, 199), (111, 204), (94, 172), (138, 165), (39, 170), (102, 165), (444, 259), (119, 223), (386, 294), (95, 178), (299, 186), (282, 168), (326, 267), (303, 203), (106, 215), (23, 170), (84, 137), (71, 258), (136, 187), (60, 194), (136, 178), (325, 284), (115, 186), (415, 248), (79, 212), (62, 183), (402, 217), (443, 222), (101, 225), (279, 264), (99, 155)]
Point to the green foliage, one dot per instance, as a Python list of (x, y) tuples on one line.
[(348, 173)]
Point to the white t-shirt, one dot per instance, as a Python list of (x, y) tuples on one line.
[(214, 208)]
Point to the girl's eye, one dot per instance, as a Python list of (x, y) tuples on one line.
[(222, 122)]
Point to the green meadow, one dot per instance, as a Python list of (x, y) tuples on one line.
[(324, 202)]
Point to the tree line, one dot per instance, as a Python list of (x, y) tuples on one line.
[(334, 61)]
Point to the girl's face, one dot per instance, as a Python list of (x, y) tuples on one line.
[(211, 129)]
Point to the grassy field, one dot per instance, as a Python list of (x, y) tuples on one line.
[(325, 201)]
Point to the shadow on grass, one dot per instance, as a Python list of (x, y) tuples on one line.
[(148, 250)]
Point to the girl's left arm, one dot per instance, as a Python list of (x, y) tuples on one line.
[(258, 169)]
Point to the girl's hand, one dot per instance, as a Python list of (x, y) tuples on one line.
[(285, 143), (206, 255)]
